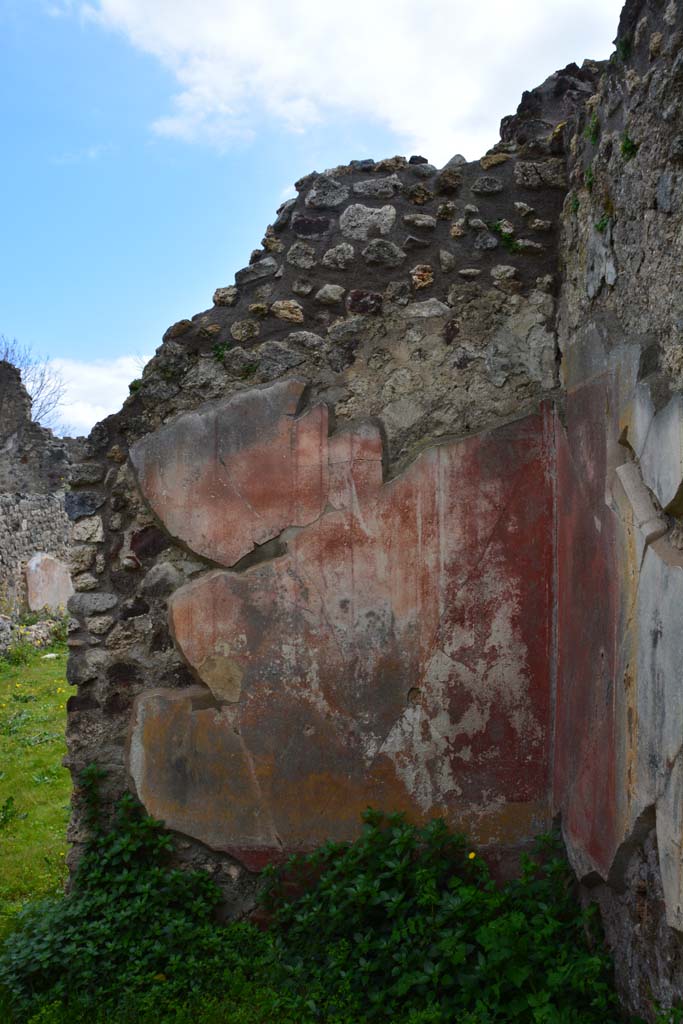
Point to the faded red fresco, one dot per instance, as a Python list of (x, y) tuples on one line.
[(398, 654), (588, 631)]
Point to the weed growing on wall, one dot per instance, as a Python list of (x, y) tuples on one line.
[(629, 148)]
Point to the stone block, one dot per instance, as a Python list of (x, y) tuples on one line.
[(661, 459), (48, 583)]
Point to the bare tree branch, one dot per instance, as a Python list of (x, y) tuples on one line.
[(42, 380)]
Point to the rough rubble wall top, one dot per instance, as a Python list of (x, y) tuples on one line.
[(32, 459), (373, 258)]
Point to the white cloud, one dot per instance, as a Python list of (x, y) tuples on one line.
[(95, 389), (87, 155), (439, 73)]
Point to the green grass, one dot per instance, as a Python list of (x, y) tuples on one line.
[(34, 787)]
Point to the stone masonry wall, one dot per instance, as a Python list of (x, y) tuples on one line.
[(34, 472), (28, 523), (396, 521), (618, 781), (401, 491)]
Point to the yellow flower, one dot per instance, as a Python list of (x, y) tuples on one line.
[(471, 855)]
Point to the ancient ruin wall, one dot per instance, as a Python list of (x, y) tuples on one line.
[(619, 727), (29, 523), (344, 472), (34, 472), (396, 520)]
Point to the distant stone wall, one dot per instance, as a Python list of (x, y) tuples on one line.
[(29, 523), (35, 468)]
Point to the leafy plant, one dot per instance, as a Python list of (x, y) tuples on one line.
[(404, 925), (131, 925), (9, 813), (602, 224), (408, 920), (60, 629), (592, 129), (628, 147), (624, 48), (19, 652), (135, 386), (589, 178), (220, 349), (575, 204), (507, 239)]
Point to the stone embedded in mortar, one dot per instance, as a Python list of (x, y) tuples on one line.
[(384, 253), (363, 222), (447, 260), (493, 160), (238, 362), (487, 185), (89, 529), (485, 241), (448, 181), (423, 170), (326, 194), (266, 267), (225, 296), (302, 255), (419, 194), (330, 294), (78, 504), (91, 604), (543, 174), (420, 220), (288, 309), (307, 226), (447, 210), (378, 188), (424, 310), (412, 242), (340, 257), (307, 339), (361, 301), (276, 359), (350, 327), (283, 214), (85, 473), (302, 287), (422, 276), (245, 330)]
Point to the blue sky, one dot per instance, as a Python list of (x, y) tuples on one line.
[(148, 142)]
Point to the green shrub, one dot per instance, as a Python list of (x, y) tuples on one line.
[(407, 921), (132, 927), (404, 925), (19, 652)]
